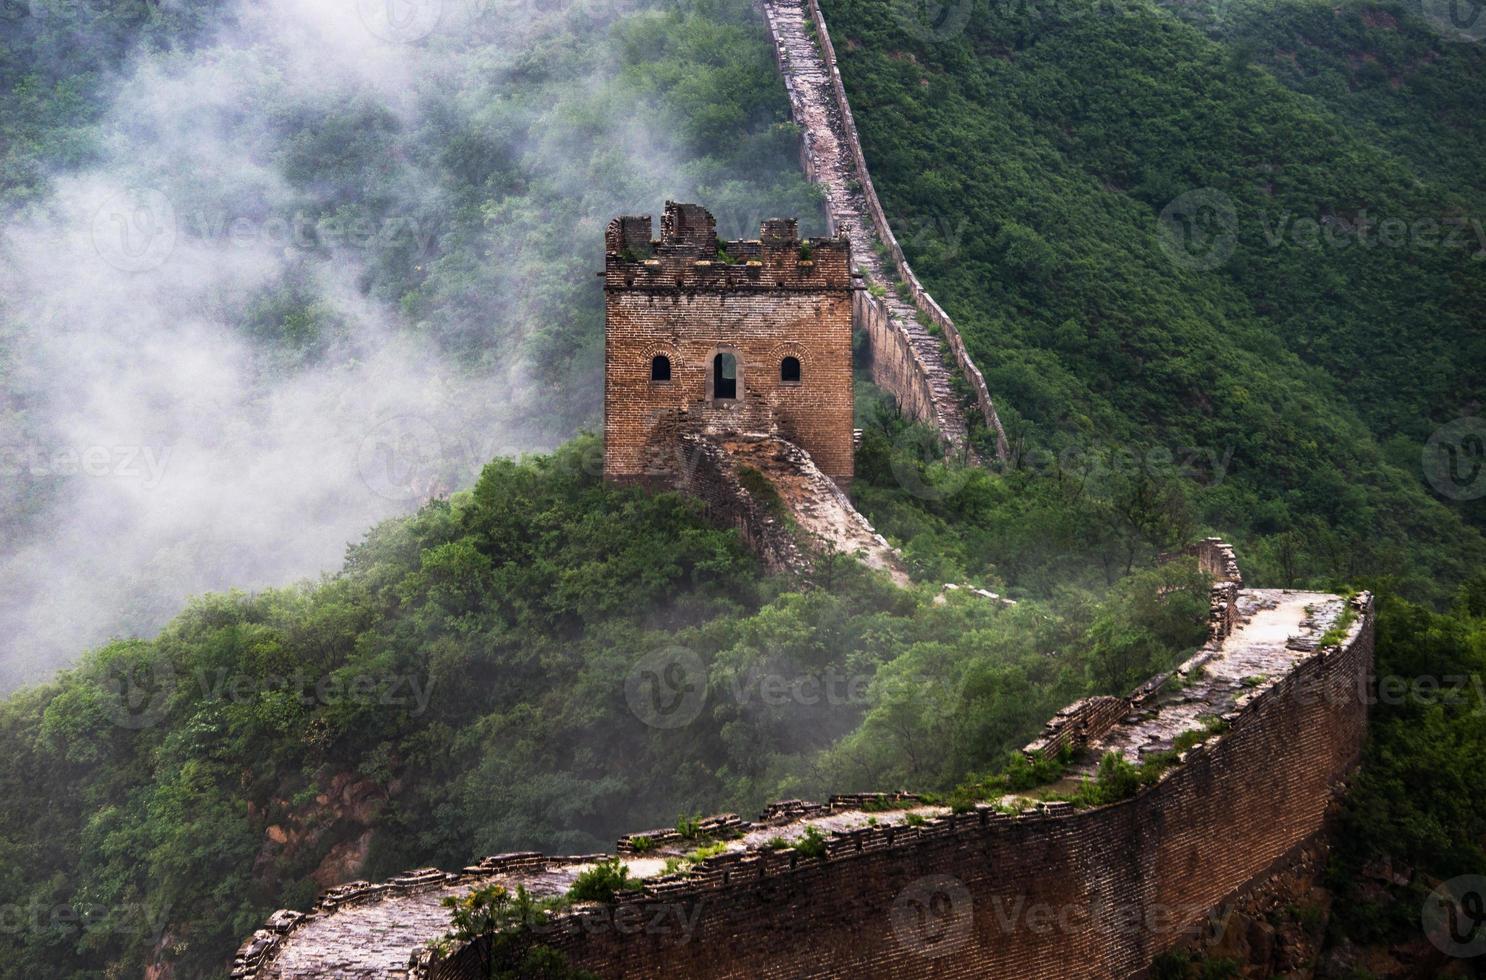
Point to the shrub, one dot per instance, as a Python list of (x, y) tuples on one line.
[(707, 851), (812, 844), (602, 882)]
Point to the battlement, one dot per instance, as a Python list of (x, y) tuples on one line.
[(689, 256), (741, 337), (902, 886)]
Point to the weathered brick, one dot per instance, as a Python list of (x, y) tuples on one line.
[(779, 298)]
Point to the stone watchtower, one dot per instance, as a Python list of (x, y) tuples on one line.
[(723, 338)]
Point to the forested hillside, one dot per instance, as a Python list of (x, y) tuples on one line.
[(1159, 238), (276, 252), (474, 677), (474, 682), (1247, 238)]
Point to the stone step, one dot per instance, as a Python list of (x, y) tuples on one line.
[(812, 101)]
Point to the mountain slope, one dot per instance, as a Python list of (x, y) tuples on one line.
[(1151, 245)]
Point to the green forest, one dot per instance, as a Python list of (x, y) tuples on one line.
[(1026, 159), (463, 685)]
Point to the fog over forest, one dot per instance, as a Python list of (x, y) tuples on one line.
[(318, 270)]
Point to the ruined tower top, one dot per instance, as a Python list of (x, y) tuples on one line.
[(689, 256), (705, 336), (688, 224)]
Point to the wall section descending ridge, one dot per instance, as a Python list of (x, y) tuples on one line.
[(907, 358), (1047, 892)]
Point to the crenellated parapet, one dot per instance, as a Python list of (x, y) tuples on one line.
[(688, 257), (1215, 558), (1278, 708)]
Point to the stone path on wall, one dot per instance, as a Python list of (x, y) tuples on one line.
[(373, 940), (1276, 629), (817, 505), (809, 83), (370, 932)]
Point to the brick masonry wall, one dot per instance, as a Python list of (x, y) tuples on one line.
[(689, 310), (1096, 893), (1215, 557), (894, 367), (1079, 723), (918, 295)]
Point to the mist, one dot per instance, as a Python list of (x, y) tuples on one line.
[(263, 319)]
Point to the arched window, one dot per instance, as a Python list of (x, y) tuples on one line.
[(789, 370), (660, 368), (724, 376)]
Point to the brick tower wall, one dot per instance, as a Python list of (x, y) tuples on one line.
[(775, 299)]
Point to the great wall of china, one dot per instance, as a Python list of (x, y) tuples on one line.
[(1017, 887), (1260, 729), (907, 357)]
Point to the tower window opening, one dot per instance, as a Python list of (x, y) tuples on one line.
[(724, 376), (789, 370), (660, 368)]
